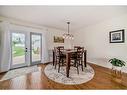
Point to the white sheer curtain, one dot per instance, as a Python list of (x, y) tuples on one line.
[(5, 47), (0, 44), (45, 56)]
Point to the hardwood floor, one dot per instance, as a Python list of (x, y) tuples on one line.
[(37, 80)]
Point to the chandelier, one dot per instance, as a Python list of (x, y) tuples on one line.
[(68, 35)]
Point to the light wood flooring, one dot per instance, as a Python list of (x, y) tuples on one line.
[(102, 80)]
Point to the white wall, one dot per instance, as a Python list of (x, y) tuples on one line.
[(50, 40), (95, 39), (55, 32)]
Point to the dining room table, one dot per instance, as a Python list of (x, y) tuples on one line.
[(68, 53)]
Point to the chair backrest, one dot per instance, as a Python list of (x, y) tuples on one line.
[(79, 52), (58, 50), (78, 48)]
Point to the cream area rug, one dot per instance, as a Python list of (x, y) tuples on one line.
[(84, 76), (19, 72)]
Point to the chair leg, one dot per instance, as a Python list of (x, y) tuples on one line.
[(59, 66), (85, 59), (77, 67), (74, 63), (55, 63), (82, 65), (62, 62)]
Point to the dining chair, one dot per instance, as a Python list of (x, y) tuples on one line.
[(77, 57), (60, 57)]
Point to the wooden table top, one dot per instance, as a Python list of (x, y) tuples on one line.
[(69, 51)]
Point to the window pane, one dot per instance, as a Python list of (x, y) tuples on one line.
[(18, 48), (36, 48)]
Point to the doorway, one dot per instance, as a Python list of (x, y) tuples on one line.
[(26, 49)]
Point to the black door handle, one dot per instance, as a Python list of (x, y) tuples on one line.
[(26, 50)]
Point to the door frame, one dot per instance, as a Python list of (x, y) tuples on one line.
[(11, 63), (39, 61)]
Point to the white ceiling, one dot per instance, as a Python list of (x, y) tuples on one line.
[(57, 16)]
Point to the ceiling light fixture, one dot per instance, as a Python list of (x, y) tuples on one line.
[(68, 35)]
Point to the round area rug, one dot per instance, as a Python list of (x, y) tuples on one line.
[(84, 76)]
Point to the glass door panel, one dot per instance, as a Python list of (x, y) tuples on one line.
[(35, 48), (18, 50)]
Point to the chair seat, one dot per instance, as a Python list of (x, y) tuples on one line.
[(62, 56), (74, 56)]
